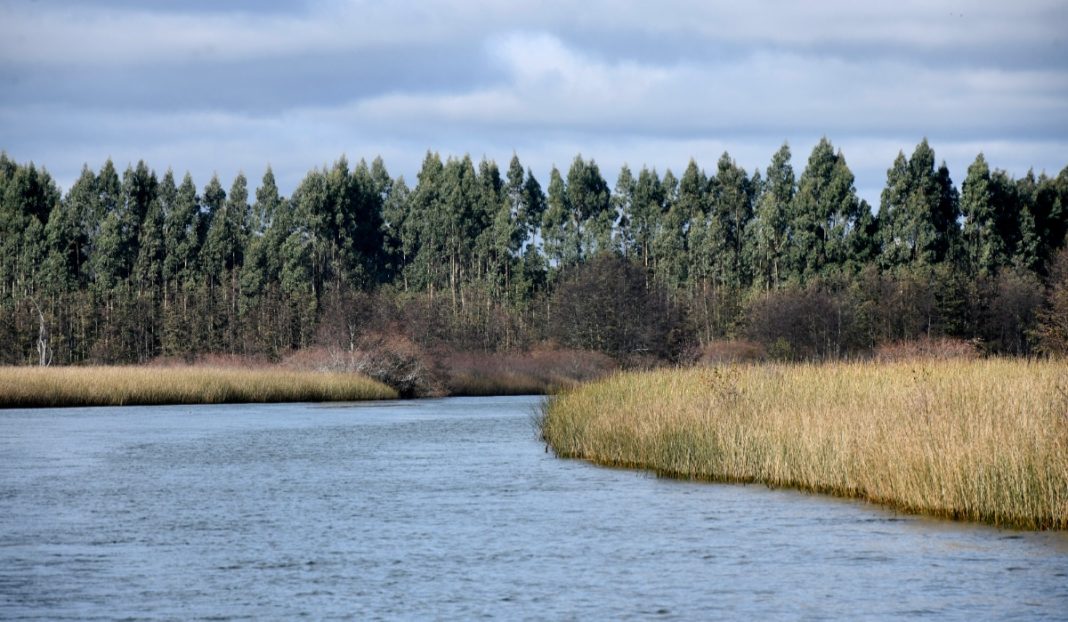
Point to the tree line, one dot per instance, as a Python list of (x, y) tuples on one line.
[(128, 267)]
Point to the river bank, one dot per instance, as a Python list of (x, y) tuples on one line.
[(983, 440), (31, 387), (308, 375)]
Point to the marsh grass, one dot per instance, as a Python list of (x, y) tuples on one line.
[(974, 440), (116, 386)]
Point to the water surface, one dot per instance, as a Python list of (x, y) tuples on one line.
[(451, 509)]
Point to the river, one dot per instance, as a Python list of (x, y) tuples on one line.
[(451, 509)]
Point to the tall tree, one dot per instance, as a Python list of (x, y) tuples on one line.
[(225, 240), (110, 246), (181, 237), (644, 218), (731, 208), (831, 226), (918, 212), (559, 226), (591, 207), (990, 229), (669, 246), (420, 238), (151, 247), (623, 206), (769, 234)]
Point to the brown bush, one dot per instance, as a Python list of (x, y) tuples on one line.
[(608, 304), (393, 360), (538, 371), (1052, 329), (941, 348), (730, 351), (224, 361), (810, 323)]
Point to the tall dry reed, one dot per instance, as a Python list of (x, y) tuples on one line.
[(117, 386), (974, 440)]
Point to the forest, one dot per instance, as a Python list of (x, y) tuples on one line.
[(133, 266)]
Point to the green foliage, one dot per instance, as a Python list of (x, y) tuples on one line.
[(830, 226), (645, 214), (769, 232), (559, 227), (125, 268)]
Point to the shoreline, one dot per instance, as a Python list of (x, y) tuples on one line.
[(981, 441), (59, 387)]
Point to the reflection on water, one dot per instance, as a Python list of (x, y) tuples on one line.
[(450, 509)]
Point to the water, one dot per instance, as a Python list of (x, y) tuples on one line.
[(451, 509)]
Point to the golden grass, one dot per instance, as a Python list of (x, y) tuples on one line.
[(117, 386), (975, 440)]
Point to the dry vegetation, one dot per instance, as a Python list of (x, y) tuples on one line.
[(538, 372), (418, 372), (116, 386), (976, 440)]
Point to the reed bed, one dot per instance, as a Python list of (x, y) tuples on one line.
[(980, 440), (26, 387)]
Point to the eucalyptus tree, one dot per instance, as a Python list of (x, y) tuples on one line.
[(918, 212), (109, 246), (991, 229), (510, 229), (769, 231), (28, 196), (730, 209), (151, 246), (1043, 221), (700, 234), (212, 200), (591, 207), (139, 188), (533, 207), (623, 206), (225, 238), (262, 258), (559, 228), (265, 207), (831, 228), (367, 192), (459, 224), (181, 237), (67, 237), (81, 212), (420, 241), (396, 207), (495, 240), (669, 246), (646, 211)]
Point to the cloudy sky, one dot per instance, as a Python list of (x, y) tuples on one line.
[(207, 86)]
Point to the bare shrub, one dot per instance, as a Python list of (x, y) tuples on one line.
[(1016, 298), (398, 362), (393, 360), (943, 348), (730, 351), (608, 304), (542, 370), (810, 323), (1052, 329)]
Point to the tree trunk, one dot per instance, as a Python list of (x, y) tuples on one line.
[(44, 351)]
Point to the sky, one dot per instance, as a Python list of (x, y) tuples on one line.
[(208, 86)]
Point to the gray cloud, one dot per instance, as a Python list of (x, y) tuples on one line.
[(192, 85)]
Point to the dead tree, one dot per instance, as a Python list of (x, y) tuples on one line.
[(44, 350)]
